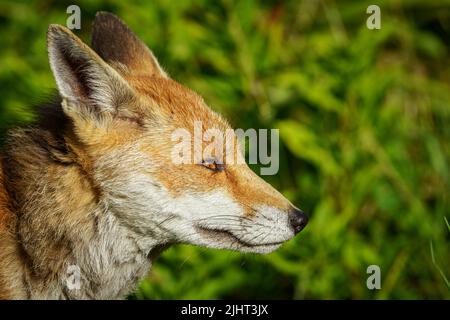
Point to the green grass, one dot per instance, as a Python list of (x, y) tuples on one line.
[(433, 258), (364, 128)]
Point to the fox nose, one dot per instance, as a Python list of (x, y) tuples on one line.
[(298, 219)]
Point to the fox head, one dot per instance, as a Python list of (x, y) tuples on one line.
[(123, 109)]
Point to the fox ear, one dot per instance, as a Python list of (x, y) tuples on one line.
[(81, 75), (116, 43)]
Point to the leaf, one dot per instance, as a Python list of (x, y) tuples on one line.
[(303, 142)]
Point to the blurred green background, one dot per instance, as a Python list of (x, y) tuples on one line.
[(364, 125)]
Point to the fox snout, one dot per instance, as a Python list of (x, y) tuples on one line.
[(298, 219)]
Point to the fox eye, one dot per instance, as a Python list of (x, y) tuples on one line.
[(213, 164)]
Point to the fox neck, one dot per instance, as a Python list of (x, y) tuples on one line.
[(71, 245)]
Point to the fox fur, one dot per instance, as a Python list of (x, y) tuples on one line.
[(91, 183)]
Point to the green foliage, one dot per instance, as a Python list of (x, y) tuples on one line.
[(364, 126)]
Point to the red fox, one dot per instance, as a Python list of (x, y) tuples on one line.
[(92, 183)]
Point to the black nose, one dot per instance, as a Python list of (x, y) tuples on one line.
[(298, 219)]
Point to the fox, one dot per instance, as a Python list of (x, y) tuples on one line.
[(91, 183)]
